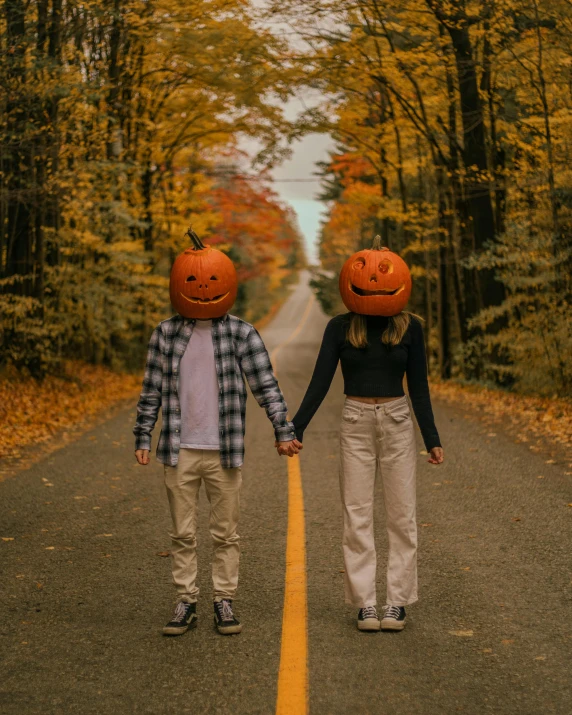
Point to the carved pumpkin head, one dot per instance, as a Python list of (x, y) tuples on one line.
[(375, 282), (203, 281)]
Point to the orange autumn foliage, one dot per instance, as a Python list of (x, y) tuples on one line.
[(33, 412)]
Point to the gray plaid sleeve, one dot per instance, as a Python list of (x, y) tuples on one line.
[(150, 398), (257, 369)]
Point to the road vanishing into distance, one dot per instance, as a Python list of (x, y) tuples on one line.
[(86, 586)]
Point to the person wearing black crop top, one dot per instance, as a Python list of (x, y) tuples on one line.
[(377, 435)]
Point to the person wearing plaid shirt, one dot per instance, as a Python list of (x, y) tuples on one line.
[(226, 349)]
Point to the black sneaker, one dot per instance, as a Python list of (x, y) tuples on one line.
[(224, 618), (367, 619), (393, 618), (184, 618)]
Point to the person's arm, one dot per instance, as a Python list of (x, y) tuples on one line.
[(257, 368), (322, 377), (150, 398), (418, 386)]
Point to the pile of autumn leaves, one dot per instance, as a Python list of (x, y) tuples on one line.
[(32, 413)]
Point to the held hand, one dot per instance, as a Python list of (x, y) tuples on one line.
[(436, 456), (142, 456), (288, 448)]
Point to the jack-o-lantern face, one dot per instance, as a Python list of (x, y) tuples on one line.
[(203, 282), (375, 282)]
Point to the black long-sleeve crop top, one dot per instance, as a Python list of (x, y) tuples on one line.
[(374, 371)]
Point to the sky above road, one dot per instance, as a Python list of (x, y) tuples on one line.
[(296, 185)]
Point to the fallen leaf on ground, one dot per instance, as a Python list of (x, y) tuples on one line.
[(426, 524), (465, 568), (69, 402), (461, 634), (50, 548), (540, 657), (487, 650), (516, 518), (550, 461), (80, 497), (163, 554), (527, 417), (507, 641), (11, 538)]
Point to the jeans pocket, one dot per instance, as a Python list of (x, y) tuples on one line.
[(400, 415), (351, 414)]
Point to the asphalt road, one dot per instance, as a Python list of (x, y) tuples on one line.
[(86, 587)]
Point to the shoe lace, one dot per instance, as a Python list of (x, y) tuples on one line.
[(369, 612), (392, 612), (225, 610), (180, 611)]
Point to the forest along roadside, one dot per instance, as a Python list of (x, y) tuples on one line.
[(491, 632)]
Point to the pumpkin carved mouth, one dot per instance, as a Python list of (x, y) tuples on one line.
[(206, 301), (364, 292)]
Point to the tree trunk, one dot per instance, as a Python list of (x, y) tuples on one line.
[(444, 220), (477, 184), (19, 237)]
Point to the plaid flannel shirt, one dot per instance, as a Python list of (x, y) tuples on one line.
[(238, 350)]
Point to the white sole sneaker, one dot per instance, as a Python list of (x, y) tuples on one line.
[(179, 630), (369, 624), (228, 630), (390, 624)]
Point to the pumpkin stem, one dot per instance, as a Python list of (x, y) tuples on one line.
[(198, 245), (376, 245)]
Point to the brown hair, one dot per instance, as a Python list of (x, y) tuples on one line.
[(392, 335)]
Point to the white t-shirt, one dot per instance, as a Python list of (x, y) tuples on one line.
[(199, 390)]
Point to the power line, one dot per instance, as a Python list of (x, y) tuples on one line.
[(248, 177)]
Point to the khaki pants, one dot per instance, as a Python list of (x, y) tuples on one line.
[(378, 439), (223, 492)]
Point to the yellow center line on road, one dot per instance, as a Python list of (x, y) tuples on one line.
[(292, 698)]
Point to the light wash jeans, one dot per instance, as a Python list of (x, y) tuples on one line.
[(223, 492), (378, 439)]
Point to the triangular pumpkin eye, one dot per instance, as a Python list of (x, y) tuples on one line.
[(191, 278), (359, 264), (214, 278)]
